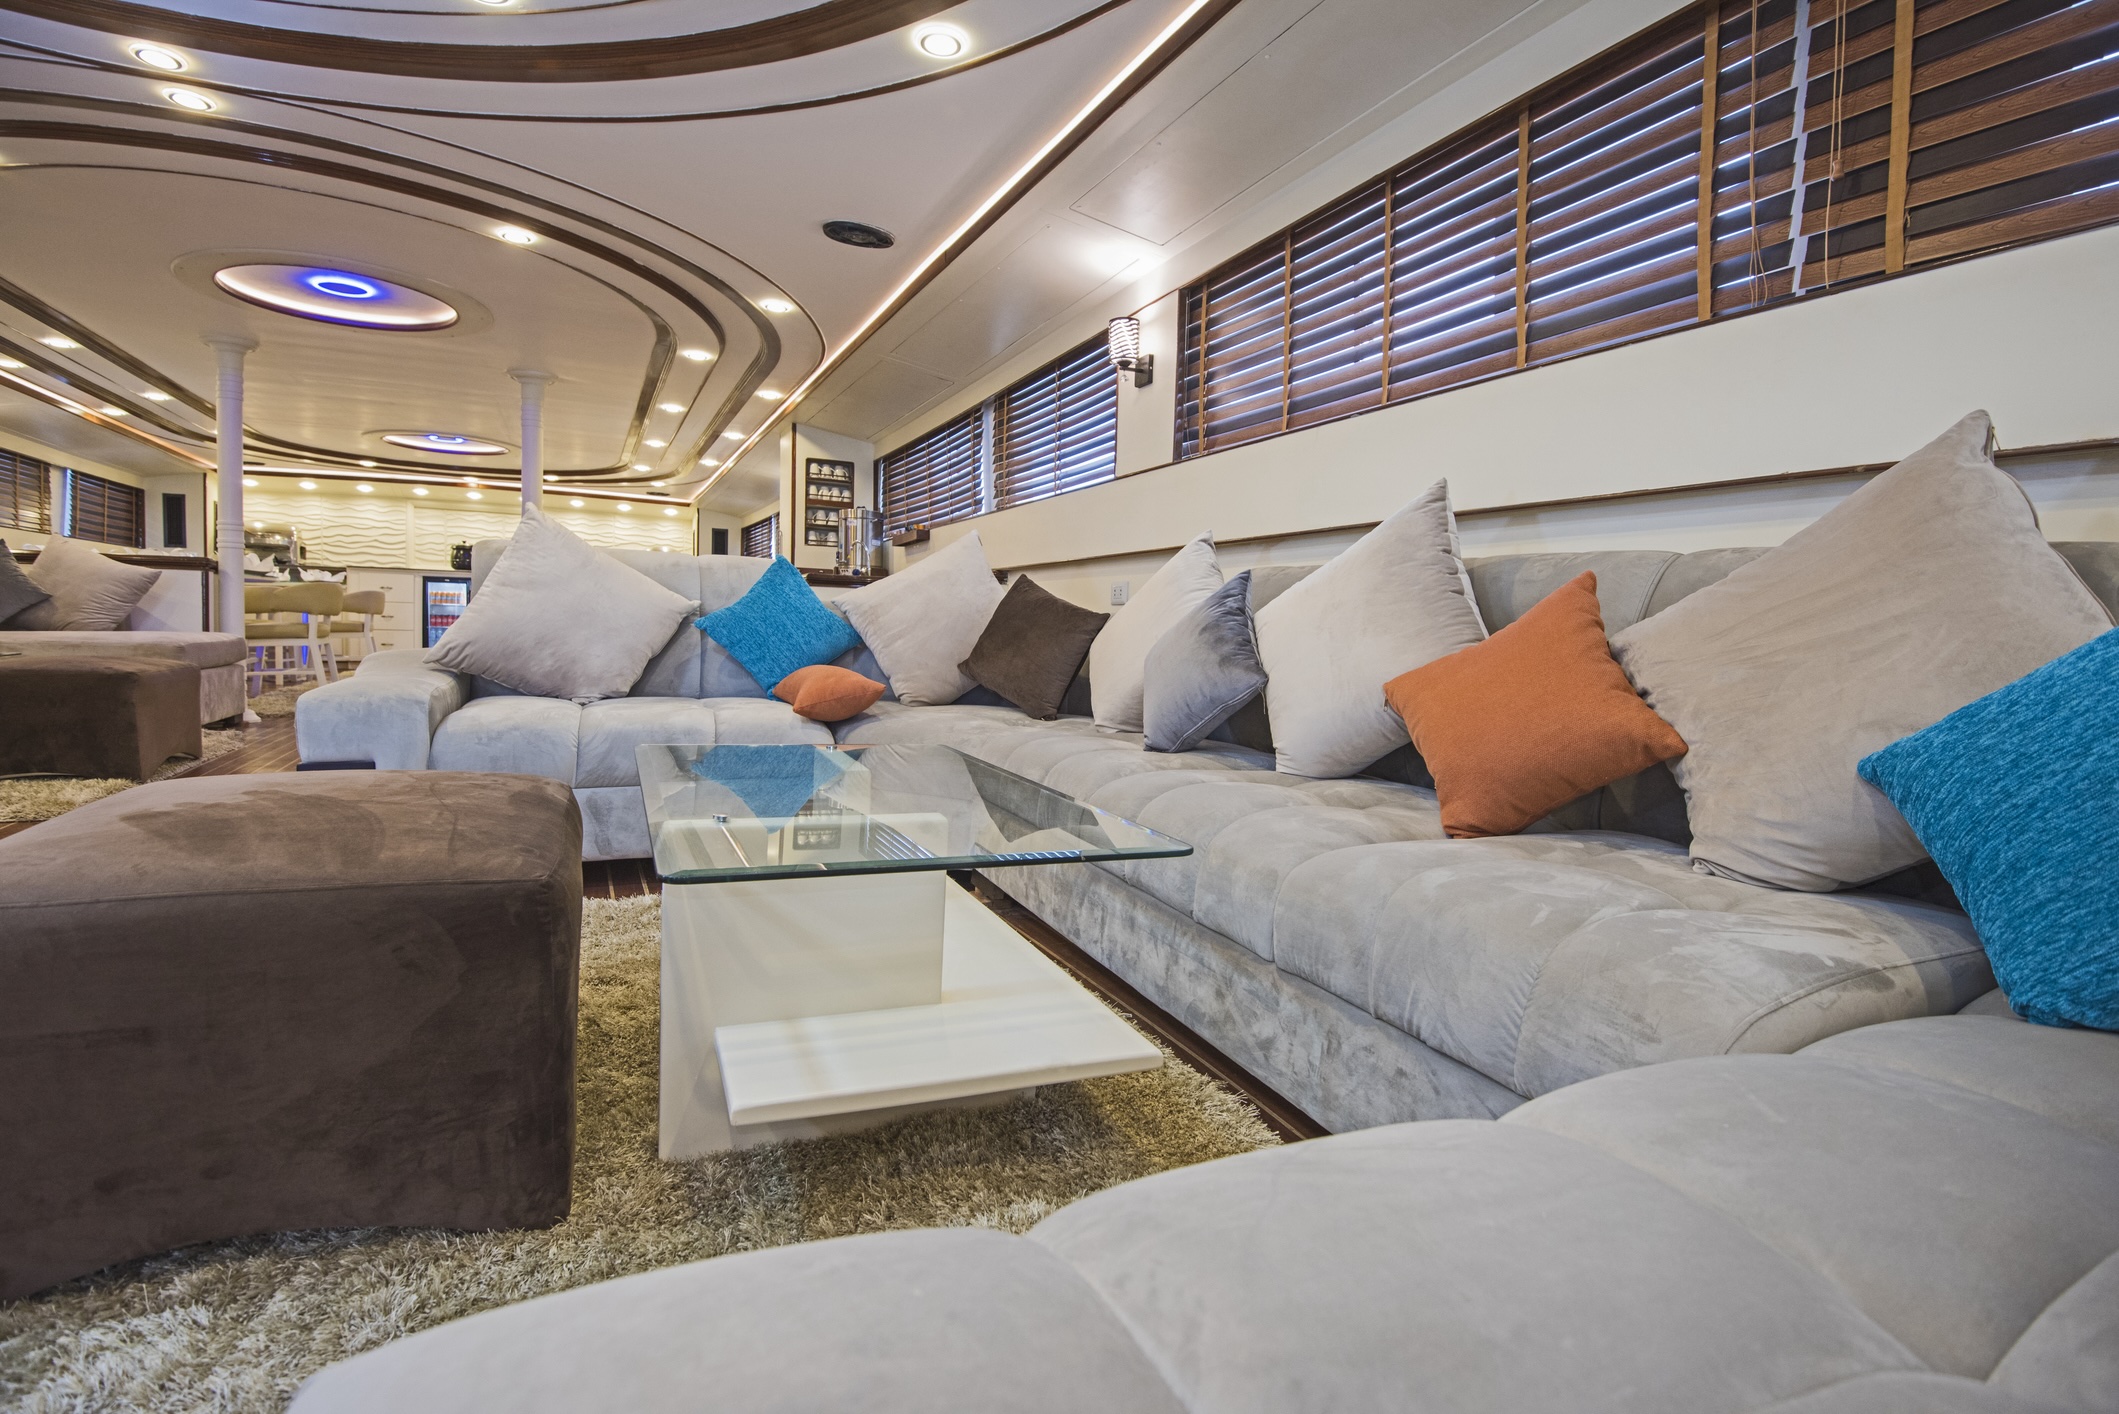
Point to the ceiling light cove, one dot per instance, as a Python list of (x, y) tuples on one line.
[(336, 296), (154, 56), (190, 100), (940, 41), (452, 443)]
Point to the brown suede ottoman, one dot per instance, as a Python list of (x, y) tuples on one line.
[(68, 716), (246, 1004)]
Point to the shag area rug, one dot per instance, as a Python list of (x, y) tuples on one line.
[(236, 1326), (42, 797), (279, 702)]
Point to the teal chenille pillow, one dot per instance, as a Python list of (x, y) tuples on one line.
[(778, 626), (2017, 798)]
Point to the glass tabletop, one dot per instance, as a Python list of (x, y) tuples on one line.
[(725, 813)]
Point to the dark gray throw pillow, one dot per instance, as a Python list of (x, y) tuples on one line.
[(1202, 670), (1032, 647), (17, 590)]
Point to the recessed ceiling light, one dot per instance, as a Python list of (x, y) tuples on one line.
[(669, 510), (111, 411), (471, 481), (695, 355), (10, 363), (474, 495), (190, 99), (577, 503), (419, 490), (709, 461), (654, 442), (250, 481), (642, 466), (58, 341), (155, 395), (771, 395), (624, 507), (154, 56), (306, 485), (366, 462), (336, 296), (658, 483), (733, 435), (453, 443), (364, 488), (671, 407), (773, 304), (940, 41), (515, 235), (495, 3)]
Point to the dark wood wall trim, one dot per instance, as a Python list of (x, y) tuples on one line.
[(831, 25)]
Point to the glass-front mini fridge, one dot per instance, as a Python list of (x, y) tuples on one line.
[(442, 598)]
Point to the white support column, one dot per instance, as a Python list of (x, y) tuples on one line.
[(533, 385), (229, 350)]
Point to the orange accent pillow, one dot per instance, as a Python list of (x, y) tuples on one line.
[(826, 694), (1537, 715)]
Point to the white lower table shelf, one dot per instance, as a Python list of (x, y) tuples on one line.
[(1004, 1018)]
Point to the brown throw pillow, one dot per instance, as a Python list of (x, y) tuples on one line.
[(1536, 716), (1032, 647), (824, 693)]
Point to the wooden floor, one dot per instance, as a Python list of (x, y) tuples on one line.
[(268, 746)]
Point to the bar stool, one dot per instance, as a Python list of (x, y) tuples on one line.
[(365, 604), (277, 644)]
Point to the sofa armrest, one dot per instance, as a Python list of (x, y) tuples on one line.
[(387, 712)]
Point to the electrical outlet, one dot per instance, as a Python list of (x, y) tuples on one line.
[(1119, 587)]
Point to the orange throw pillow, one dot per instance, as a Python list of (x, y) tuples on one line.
[(1537, 715), (827, 694)]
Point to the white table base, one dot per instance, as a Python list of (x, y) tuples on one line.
[(793, 1008)]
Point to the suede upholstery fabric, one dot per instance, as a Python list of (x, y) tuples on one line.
[(96, 717), (1927, 588), (220, 657), (1032, 647), (1865, 1227), (924, 621), (17, 590), (89, 591), (1202, 671), (1397, 598), (2017, 798), (243, 1004), (1118, 661), (1536, 716), (558, 617)]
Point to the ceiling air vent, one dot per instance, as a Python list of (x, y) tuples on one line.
[(860, 234)]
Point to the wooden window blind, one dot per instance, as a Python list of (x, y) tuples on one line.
[(25, 492), (105, 511), (937, 478), (1057, 430), (761, 538), (1740, 154)]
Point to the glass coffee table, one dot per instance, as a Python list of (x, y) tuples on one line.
[(820, 971)]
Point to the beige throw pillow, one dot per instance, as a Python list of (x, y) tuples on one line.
[(90, 592), (1118, 660), (921, 622), (1926, 589), (557, 617), (1395, 599)]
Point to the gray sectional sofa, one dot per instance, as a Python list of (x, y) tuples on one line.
[(1914, 1218)]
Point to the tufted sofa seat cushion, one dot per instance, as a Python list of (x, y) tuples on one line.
[(1537, 959), (593, 746)]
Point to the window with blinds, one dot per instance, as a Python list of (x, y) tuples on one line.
[(762, 537), (1741, 154), (25, 492), (1057, 430), (937, 478), (109, 512)]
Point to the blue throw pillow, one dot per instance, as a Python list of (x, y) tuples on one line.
[(2017, 798), (778, 626)]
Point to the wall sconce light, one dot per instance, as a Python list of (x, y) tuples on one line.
[(1126, 356)]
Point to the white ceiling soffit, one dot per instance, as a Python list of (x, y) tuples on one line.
[(660, 227), (1273, 92)]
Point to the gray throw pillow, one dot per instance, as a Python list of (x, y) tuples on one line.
[(559, 618), (1202, 670), (90, 592), (1926, 589), (922, 622), (17, 590), (1032, 647)]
